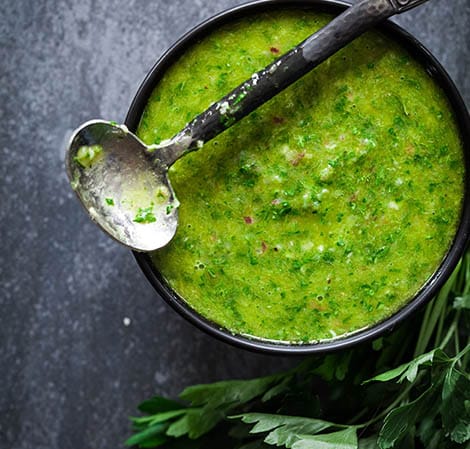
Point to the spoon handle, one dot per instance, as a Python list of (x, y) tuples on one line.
[(291, 66)]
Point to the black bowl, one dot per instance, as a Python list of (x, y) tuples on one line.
[(435, 70)]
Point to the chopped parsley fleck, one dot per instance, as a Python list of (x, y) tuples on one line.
[(109, 201), (145, 215)]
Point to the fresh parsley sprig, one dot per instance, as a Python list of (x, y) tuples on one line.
[(406, 390)]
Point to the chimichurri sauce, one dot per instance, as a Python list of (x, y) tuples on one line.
[(325, 210)]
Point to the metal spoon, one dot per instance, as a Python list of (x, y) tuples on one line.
[(123, 183)]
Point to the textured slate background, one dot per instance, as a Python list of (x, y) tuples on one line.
[(70, 370)]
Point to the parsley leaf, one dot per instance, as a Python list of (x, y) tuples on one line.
[(283, 430), (343, 439), (398, 422), (158, 404), (455, 408), (228, 392), (462, 302), (409, 370), (154, 433)]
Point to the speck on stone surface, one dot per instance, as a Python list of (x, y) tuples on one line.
[(72, 371)]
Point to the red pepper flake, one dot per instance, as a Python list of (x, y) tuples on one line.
[(353, 197), (410, 149), (274, 50), (205, 87), (297, 159), (318, 305), (248, 220), (264, 247), (276, 201), (278, 120)]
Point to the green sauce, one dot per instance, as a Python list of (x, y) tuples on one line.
[(87, 155), (324, 211)]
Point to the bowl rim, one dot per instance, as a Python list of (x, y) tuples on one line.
[(429, 288)]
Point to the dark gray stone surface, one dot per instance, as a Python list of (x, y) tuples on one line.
[(70, 370)]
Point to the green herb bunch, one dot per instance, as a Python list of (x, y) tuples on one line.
[(409, 389)]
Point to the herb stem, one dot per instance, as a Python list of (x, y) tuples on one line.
[(440, 325), (462, 353), (394, 404), (450, 332), (463, 362), (456, 342), (358, 416), (422, 331), (438, 307)]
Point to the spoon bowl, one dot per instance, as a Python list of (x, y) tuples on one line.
[(122, 185)]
